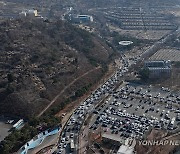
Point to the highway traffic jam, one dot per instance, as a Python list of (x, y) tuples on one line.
[(68, 142), (129, 111)]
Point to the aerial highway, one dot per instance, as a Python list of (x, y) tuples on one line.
[(69, 138), (71, 130)]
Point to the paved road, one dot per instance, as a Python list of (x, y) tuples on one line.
[(77, 118)]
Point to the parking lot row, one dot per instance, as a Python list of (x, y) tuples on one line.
[(127, 114)]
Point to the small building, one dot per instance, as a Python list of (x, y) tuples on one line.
[(85, 18), (113, 139), (29, 13), (81, 18), (128, 147), (124, 149)]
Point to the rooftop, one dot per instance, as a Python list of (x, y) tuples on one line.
[(124, 149), (159, 68), (125, 43), (113, 137)]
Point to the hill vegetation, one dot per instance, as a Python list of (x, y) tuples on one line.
[(38, 59)]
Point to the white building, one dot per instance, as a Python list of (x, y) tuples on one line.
[(31, 13), (128, 147), (81, 18)]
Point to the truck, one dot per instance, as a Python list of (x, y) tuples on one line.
[(72, 145)]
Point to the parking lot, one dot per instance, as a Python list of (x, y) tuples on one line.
[(132, 111)]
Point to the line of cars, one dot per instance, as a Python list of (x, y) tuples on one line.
[(125, 123), (77, 118)]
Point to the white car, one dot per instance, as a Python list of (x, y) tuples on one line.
[(64, 146), (62, 140)]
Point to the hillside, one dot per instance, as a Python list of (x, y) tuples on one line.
[(38, 59)]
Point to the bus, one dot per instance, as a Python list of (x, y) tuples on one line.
[(72, 145), (18, 124)]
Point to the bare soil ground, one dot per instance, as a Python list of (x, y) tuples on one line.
[(158, 149)]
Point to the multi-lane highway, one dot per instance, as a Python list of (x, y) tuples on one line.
[(69, 139), (68, 142)]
